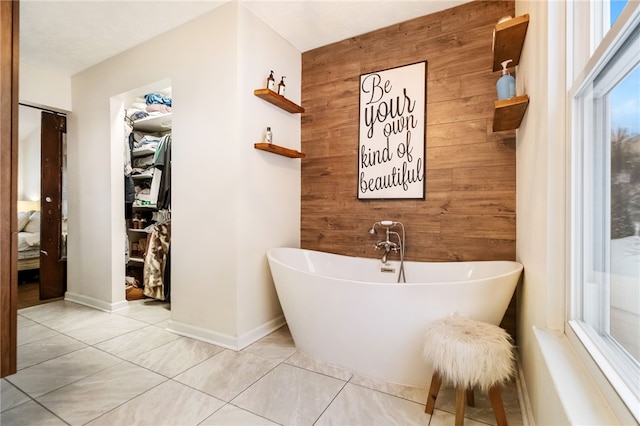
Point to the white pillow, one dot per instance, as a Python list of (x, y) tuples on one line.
[(23, 219), (34, 223)]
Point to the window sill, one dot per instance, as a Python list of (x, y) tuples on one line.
[(582, 399)]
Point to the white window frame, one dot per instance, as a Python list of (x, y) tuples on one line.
[(606, 45)]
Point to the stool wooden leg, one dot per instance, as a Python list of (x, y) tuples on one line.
[(460, 401), (498, 407), (436, 381), (471, 402)]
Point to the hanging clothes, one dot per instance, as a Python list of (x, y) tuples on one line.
[(129, 186), (162, 161), (155, 261)]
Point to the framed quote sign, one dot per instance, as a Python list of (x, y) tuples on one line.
[(392, 141)]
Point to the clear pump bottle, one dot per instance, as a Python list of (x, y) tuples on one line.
[(506, 84)]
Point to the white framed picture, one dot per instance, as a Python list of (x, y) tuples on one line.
[(392, 133)]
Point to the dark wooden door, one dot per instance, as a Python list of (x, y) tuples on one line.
[(53, 265), (9, 60)]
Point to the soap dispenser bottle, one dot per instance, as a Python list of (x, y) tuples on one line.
[(281, 86), (271, 82), (506, 84)]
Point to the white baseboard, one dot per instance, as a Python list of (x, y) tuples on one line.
[(523, 396), (261, 331), (95, 303), (225, 340)]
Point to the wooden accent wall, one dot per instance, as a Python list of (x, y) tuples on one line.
[(469, 210)]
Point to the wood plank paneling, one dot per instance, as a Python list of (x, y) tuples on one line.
[(469, 209)]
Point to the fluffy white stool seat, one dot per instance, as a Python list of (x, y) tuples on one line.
[(469, 354)]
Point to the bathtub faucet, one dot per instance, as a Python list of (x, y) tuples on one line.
[(388, 245)]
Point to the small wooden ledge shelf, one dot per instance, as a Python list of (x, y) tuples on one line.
[(508, 113), (278, 100), (280, 150), (509, 41)]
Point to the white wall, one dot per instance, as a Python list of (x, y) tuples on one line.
[(29, 154), (44, 88), (261, 174), (219, 182), (537, 211), (562, 389)]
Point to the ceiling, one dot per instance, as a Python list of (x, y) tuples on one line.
[(69, 36)]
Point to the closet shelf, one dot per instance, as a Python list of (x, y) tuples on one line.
[(154, 123), (141, 152), (142, 231), (508, 113), (145, 206), (509, 39), (142, 176), (278, 100), (280, 150)]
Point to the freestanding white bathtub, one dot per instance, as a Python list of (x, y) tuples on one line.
[(344, 311)]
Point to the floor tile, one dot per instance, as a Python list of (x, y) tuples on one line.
[(177, 356), (149, 311), (412, 393), (10, 396), (482, 410), (105, 329), (106, 390), (290, 395), (64, 316), (30, 413), (277, 345), (131, 345), (124, 375), (58, 372), (45, 349), (230, 415), (55, 310), (226, 374), (357, 405), (170, 403), (443, 418), (25, 322), (33, 332), (301, 360)]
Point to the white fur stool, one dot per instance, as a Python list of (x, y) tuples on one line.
[(468, 354)]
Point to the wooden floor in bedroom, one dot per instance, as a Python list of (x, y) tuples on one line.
[(29, 292)]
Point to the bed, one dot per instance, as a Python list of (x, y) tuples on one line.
[(28, 240)]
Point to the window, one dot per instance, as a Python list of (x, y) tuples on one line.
[(605, 301), (615, 7)]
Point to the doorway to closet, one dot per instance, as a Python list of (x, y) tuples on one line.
[(147, 194)]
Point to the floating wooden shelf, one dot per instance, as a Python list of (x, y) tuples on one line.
[(509, 40), (508, 113), (275, 149), (278, 100)]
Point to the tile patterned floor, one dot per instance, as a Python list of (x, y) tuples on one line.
[(81, 366)]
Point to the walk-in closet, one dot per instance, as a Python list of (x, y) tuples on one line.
[(147, 195)]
